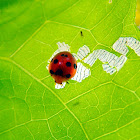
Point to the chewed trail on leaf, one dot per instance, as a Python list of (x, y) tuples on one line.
[(75, 55), (120, 62), (83, 52), (61, 47), (81, 73), (114, 62), (108, 69), (121, 44), (59, 86), (111, 62)]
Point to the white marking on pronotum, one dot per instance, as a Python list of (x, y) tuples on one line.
[(81, 73), (61, 47), (121, 45), (83, 52), (59, 86)]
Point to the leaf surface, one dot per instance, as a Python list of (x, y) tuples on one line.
[(102, 106)]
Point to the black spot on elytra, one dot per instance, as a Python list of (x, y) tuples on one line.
[(75, 66), (68, 75), (51, 71), (59, 72), (68, 64), (62, 55), (55, 61)]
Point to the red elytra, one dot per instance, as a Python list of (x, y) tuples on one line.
[(62, 67)]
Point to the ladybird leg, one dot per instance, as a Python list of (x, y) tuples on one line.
[(67, 82)]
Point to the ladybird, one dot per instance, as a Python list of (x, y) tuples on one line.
[(62, 67)]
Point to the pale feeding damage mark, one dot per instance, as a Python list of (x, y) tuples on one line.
[(82, 52), (61, 47), (121, 44), (111, 62), (110, 1), (81, 73), (59, 86)]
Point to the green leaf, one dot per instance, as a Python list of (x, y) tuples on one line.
[(102, 106)]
